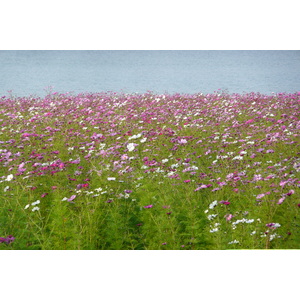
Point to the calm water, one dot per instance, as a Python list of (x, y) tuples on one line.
[(32, 72)]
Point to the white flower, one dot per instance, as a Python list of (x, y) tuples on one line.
[(135, 136), (111, 178), (214, 230), (210, 217), (36, 202), (131, 147), (9, 177), (6, 188), (35, 208), (249, 221), (233, 242), (238, 157), (164, 160), (143, 140), (213, 204), (64, 199), (26, 206)]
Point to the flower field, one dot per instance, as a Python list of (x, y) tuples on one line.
[(149, 171)]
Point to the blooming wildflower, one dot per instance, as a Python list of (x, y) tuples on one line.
[(71, 198), (111, 178), (9, 177), (35, 208), (164, 243), (131, 147), (272, 236), (283, 183), (148, 206), (273, 225), (260, 196), (228, 217), (6, 188), (136, 136), (143, 140), (224, 202), (233, 242), (280, 201), (182, 141), (238, 157), (214, 229), (164, 160), (210, 217), (36, 202), (26, 206), (9, 239), (291, 192), (202, 186), (213, 204)]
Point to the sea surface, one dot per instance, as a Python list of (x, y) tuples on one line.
[(24, 73)]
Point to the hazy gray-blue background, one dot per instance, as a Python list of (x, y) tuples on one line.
[(31, 72)]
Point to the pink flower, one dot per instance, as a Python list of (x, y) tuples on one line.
[(260, 196), (280, 201), (148, 206), (249, 121), (228, 217), (72, 198), (283, 183)]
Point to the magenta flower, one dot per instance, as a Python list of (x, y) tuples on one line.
[(148, 206), (224, 202), (249, 121), (9, 239)]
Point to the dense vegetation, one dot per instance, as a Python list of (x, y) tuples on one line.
[(148, 171)]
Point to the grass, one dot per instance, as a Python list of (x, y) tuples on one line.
[(148, 171)]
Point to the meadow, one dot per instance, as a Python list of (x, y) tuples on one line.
[(150, 171)]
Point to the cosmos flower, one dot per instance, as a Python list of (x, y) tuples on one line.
[(9, 239), (148, 206), (9, 177), (71, 198), (131, 147)]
